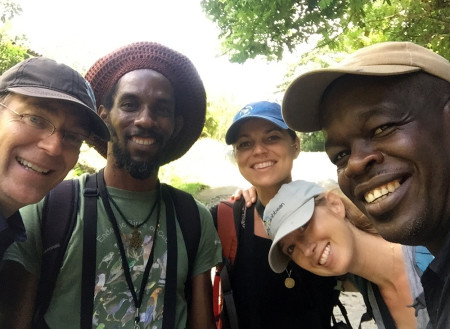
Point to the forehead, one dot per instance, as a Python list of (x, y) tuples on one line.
[(56, 107), (361, 97), (253, 126), (145, 82)]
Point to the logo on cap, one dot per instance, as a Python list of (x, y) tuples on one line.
[(269, 218), (246, 110)]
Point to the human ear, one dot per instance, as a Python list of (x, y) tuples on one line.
[(447, 107), (103, 113), (296, 146), (335, 204)]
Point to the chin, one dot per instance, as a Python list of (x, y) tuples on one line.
[(406, 231)]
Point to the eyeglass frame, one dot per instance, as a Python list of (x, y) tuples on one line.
[(48, 124)]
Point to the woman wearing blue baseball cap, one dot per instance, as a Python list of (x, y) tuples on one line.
[(265, 150), (325, 233)]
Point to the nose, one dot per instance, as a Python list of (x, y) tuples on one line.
[(259, 148), (307, 247), (145, 118), (361, 159), (52, 144)]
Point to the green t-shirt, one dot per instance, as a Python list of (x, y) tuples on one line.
[(113, 302)]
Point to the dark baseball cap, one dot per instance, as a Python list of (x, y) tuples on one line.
[(45, 78)]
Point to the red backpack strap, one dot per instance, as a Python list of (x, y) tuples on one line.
[(227, 223), (226, 229)]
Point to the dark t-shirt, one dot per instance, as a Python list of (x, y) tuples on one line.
[(264, 302), (11, 229), (436, 286)]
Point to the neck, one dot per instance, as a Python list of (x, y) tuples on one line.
[(381, 267), (438, 241), (266, 193), (120, 178), (7, 209)]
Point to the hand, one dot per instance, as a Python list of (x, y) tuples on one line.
[(249, 196)]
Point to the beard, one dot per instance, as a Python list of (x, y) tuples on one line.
[(137, 169)]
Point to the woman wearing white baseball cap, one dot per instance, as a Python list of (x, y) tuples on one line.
[(324, 233)]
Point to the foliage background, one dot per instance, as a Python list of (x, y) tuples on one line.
[(273, 28)]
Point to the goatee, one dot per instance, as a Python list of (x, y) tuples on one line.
[(137, 169)]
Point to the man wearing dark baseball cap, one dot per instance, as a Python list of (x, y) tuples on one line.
[(152, 253), (385, 113), (47, 109)]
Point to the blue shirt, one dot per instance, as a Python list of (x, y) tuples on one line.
[(11, 229)]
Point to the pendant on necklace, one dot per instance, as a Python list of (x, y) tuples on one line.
[(136, 239), (289, 283)]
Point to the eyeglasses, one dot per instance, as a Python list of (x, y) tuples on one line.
[(46, 128)]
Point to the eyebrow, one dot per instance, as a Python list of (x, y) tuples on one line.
[(161, 98), (268, 131), (364, 117)]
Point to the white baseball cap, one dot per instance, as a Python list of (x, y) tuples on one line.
[(291, 208)]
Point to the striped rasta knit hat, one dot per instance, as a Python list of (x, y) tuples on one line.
[(190, 96)]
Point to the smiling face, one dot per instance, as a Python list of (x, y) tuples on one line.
[(325, 245), (389, 138), (265, 153), (30, 164), (142, 120)]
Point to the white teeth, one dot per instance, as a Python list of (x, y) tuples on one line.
[(144, 141), (382, 191), (32, 166), (262, 165), (324, 257)]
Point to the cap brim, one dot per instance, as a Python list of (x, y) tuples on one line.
[(232, 131), (98, 126), (301, 102), (277, 259)]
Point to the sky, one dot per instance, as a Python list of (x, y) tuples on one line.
[(79, 32)]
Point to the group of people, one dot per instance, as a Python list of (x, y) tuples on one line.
[(384, 116)]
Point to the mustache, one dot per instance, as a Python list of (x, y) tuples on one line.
[(146, 133)]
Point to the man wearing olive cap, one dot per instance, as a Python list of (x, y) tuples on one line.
[(385, 112)]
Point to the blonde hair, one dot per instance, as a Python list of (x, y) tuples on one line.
[(352, 212)]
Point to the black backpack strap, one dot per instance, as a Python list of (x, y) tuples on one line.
[(90, 194), (171, 278), (59, 216), (344, 313), (188, 217)]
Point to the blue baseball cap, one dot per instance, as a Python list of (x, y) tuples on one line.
[(263, 110)]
